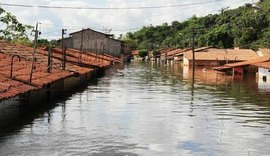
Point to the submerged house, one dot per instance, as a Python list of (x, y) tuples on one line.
[(89, 40), (263, 52), (263, 71), (173, 54), (135, 54), (239, 69), (208, 56)]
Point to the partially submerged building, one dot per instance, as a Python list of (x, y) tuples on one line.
[(264, 70), (44, 74), (263, 52), (240, 69), (208, 56), (135, 54), (177, 54), (89, 40)]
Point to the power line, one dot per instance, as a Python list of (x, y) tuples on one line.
[(107, 8), (74, 27)]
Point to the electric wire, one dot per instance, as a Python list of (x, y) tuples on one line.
[(107, 8)]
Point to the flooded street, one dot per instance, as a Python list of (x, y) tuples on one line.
[(145, 109)]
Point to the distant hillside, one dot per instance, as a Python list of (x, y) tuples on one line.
[(245, 27)]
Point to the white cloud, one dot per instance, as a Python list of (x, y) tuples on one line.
[(54, 19)]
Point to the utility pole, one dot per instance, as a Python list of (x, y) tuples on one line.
[(63, 51), (49, 69), (166, 50), (34, 51), (96, 46), (81, 47), (193, 54)]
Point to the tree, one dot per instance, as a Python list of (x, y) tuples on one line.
[(241, 27), (143, 53), (220, 37), (13, 30)]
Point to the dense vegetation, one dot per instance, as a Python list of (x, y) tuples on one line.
[(143, 53), (245, 27)]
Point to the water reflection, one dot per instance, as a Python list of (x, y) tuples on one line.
[(146, 109)]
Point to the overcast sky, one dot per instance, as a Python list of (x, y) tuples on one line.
[(120, 21)]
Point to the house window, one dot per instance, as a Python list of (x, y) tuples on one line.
[(264, 78)]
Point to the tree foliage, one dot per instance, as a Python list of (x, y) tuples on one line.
[(11, 29), (143, 53), (245, 27)]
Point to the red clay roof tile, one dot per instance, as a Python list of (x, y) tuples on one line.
[(26, 53)]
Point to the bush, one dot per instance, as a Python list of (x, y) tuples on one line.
[(143, 53)]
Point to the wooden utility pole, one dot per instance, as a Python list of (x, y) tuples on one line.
[(63, 51), (193, 54), (166, 50), (96, 46), (49, 69), (34, 52), (81, 47)]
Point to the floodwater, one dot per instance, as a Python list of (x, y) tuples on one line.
[(145, 109)]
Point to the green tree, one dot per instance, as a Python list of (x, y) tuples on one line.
[(143, 53), (245, 27), (12, 29)]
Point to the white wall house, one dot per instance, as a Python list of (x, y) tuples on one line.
[(264, 74), (263, 79), (185, 61)]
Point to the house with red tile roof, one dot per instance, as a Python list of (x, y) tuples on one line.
[(23, 74), (260, 65), (135, 54), (263, 71), (208, 56), (175, 54), (263, 52)]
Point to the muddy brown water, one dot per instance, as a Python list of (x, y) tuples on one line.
[(145, 109)]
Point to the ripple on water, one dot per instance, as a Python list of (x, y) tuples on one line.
[(149, 110)]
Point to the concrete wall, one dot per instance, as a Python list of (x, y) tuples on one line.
[(263, 85), (200, 63), (115, 46), (185, 62), (264, 72), (68, 42), (93, 41), (90, 40), (238, 73)]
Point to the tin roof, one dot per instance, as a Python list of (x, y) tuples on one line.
[(88, 29)]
